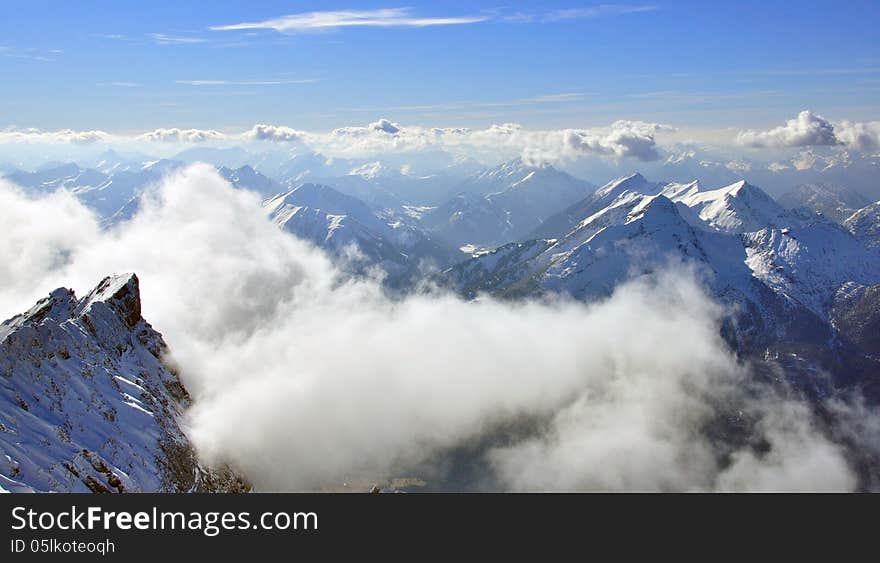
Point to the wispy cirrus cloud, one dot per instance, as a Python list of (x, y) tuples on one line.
[(600, 11), (585, 13), (32, 54), (329, 20), (123, 84), (246, 82), (165, 39)]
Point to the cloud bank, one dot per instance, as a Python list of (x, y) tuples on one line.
[(809, 130), (181, 135), (303, 379), (31, 135), (622, 139), (635, 139)]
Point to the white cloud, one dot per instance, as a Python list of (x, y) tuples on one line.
[(181, 135), (624, 138), (863, 137), (635, 139), (263, 132), (600, 11), (165, 39), (257, 329), (640, 432), (807, 129), (384, 126), (328, 20), (39, 236), (13, 135), (621, 139)]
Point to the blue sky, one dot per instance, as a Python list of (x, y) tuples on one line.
[(129, 66)]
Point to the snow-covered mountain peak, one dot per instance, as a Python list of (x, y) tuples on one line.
[(119, 292), (509, 171), (87, 402), (653, 207), (737, 208), (373, 170), (248, 178), (336, 221), (675, 190), (633, 183), (59, 305), (325, 198), (809, 262), (681, 156)]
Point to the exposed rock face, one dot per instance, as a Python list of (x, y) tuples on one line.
[(88, 403), (856, 314)]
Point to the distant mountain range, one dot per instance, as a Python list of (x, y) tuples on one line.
[(357, 233), (782, 273), (504, 204), (799, 279)]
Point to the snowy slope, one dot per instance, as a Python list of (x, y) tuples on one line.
[(751, 248), (809, 263), (737, 208), (835, 202), (339, 222), (562, 223), (634, 233), (864, 224), (245, 177), (87, 402), (639, 234), (504, 204), (106, 193), (51, 178)]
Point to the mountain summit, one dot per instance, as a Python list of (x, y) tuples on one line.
[(88, 403)]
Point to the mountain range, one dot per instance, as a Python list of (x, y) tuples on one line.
[(798, 277), (786, 276)]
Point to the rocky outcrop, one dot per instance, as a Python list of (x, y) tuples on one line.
[(89, 404)]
